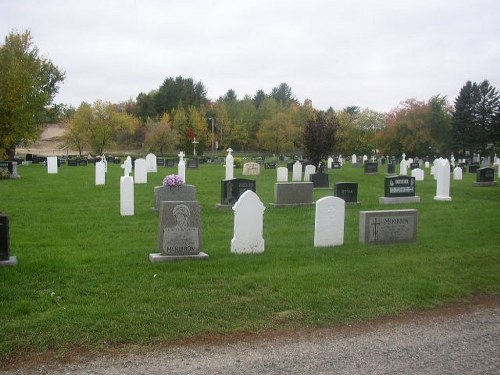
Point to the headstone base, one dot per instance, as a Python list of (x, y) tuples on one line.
[(224, 206), (7, 263), (158, 257), (485, 184), (398, 200), (447, 199)]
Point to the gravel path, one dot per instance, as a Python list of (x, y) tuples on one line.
[(457, 339)]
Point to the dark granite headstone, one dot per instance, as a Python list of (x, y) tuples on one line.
[(319, 180), (348, 191), (4, 238), (473, 167), (288, 194), (399, 186), (371, 167), (336, 165), (414, 165), (160, 162), (486, 174), (29, 157), (72, 163), (83, 162), (192, 163), (391, 168), (8, 166), (232, 189)]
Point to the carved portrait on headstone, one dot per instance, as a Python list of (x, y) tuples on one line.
[(180, 238)]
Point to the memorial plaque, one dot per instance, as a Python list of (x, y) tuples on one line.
[(232, 189), (348, 191), (388, 227), (320, 180), (399, 186), (371, 167)]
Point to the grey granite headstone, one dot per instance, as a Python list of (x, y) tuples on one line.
[(173, 193), (293, 194), (5, 258), (388, 226), (179, 232)]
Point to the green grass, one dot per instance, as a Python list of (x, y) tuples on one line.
[(84, 278)]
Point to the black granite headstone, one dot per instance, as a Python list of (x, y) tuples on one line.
[(486, 174), (371, 167), (231, 190), (7, 165), (72, 163), (399, 186), (348, 191), (29, 157), (320, 180), (414, 166), (83, 162), (473, 167), (4, 237), (391, 168)]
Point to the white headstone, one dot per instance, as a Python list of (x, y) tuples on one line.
[(403, 167), (105, 161), (427, 164), (229, 165), (52, 164), (308, 171), (452, 159), (354, 159), (127, 166), (329, 222), (341, 160), (442, 173), (329, 162), (100, 173), (151, 163), (418, 174), (297, 172), (126, 196), (457, 173), (282, 174), (248, 224), (181, 167), (140, 171)]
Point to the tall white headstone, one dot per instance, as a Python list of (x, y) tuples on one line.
[(282, 174), (127, 166), (126, 196), (354, 159), (442, 173), (427, 164), (403, 167), (329, 162), (229, 164), (151, 163), (308, 171), (297, 171), (100, 173), (329, 222), (248, 224), (365, 158), (181, 167), (52, 164), (140, 171)]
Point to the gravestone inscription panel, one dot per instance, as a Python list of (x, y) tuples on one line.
[(232, 189), (348, 191), (388, 226), (371, 167), (399, 186)]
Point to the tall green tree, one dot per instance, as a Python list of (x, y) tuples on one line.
[(28, 83)]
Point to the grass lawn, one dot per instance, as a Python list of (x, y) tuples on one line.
[(84, 278)]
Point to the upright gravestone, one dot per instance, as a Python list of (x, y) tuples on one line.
[(297, 171), (141, 171), (248, 224), (388, 227), (251, 169), (442, 174), (418, 174), (52, 164), (399, 189), (354, 159), (403, 167), (151, 163), (5, 258), (391, 168), (229, 164), (485, 177), (329, 222), (371, 168), (100, 173), (308, 171), (181, 167), (231, 190), (179, 232), (329, 162), (320, 180), (127, 190), (173, 193), (290, 194), (282, 174), (348, 191), (457, 173)]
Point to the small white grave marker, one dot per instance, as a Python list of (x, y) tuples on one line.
[(100, 173), (248, 224), (151, 163), (141, 171), (282, 174), (297, 171), (457, 173), (52, 164), (403, 167), (126, 196), (308, 171), (329, 222), (418, 174)]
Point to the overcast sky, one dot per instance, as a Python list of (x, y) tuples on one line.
[(372, 54)]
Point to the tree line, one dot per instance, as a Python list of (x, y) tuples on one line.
[(178, 112)]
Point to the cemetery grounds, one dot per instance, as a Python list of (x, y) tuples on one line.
[(84, 281)]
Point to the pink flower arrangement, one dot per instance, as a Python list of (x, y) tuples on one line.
[(173, 180)]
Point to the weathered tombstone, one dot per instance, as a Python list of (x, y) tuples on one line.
[(181, 167), (173, 193), (329, 222), (10, 167), (442, 173), (399, 189), (287, 194), (388, 227), (140, 171), (320, 180), (348, 191), (151, 162), (457, 173), (282, 174), (371, 168), (100, 173), (127, 190), (179, 232), (485, 177), (418, 174), (309, 170), (52, 164), (248, 224), (297, 171), (251, 169), (229, 164), (231, 190), (5, 258)]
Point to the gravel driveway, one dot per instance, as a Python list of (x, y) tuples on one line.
[(458, 339)]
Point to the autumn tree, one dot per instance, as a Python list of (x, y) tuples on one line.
[(75, 135), (161, 137), (319, 136), (28, 83), (278, 134)]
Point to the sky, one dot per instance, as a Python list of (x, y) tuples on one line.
[(370, 54)]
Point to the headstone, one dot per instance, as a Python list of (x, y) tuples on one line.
[(151, 163), (354, 159), (10, 167), (418, 174), (403, 168), (388, 227), (288, 194), (399, 189), (5, 258), (181, 167), (100, 173), (320, 180), (485, 177), (391, 168), (282, 174), (371, 168), (127, 166), (485, 162), (457, 173), (348, 191), (427, 165), (329, 222), (231, 190), (309, 170), (126, 196), (193, 163), (141, 171), (442, 173), (329, 162), (297, 171), (170, 163), (173, 193), (52, 164), (251, 169), (83, 162), (473, 167), (229, 164), (248, 224), (414, 165), (179, 232), (365, 158), (160, 162)]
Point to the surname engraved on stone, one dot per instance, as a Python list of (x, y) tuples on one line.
[(401, 189)]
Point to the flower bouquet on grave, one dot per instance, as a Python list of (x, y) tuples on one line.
[(173, 180)]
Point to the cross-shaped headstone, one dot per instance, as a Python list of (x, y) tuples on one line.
[(127, 167), (181, 156), (403, 156), (229, 150)]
